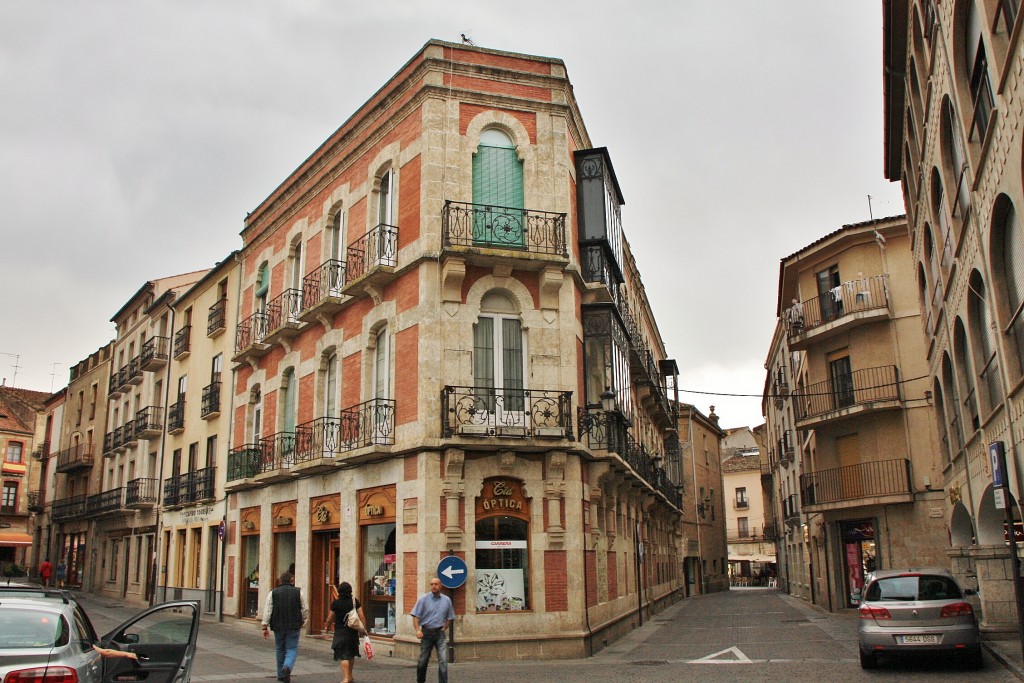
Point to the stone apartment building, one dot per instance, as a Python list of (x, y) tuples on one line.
[(194, 453), (19, 474), (952, 86), (850, 414), (749, 530), (444, 347)]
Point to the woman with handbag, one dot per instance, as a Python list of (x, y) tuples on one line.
[(346, 638)]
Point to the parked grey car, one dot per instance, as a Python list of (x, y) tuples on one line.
[(46, 637), (906, 611)]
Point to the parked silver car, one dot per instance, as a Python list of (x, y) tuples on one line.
[(917, 611), (46, 637)]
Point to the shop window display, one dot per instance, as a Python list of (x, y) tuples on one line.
[(379, 582), (502, 548)]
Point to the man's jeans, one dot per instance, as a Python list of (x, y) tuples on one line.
[(433, 639), (287, 643)]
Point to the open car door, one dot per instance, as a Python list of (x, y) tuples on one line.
[(162, 637)]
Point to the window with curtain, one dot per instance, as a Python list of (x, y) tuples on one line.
[(954, 149), (966, 375), (331, 386), (262, 288), (977, 71), (14, 451), (498, 355), (498, 191), (952, 414)]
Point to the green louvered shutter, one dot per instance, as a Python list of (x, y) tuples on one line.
[(497, 188)]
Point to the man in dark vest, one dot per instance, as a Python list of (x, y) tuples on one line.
[(284, 613)]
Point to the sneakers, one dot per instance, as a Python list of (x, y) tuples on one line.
[(286, 674)]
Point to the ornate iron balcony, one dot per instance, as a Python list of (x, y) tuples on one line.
[(791, 509), (284, 310), (251, 331), (378, 248), (506, 412), (278, 451), (35, 501), (326, 282), (854, 296), (134, 374), (501, 227), (149, 421), (244, 462)]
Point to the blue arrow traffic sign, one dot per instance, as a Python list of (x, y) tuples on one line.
[(452, 571)]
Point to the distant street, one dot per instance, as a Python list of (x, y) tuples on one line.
[(742, 635)]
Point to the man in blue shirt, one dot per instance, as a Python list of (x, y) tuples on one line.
[(431, 616)]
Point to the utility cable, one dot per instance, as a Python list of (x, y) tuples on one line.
[(800, 393)]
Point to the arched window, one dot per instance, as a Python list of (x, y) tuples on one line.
[(952, 409), (940, 422), (330, 385), (498, 369), (953, 148), (922, 293), (1008, 251), (497, 191), (256, 416), (386, 199), (984, 335), (262, 287), (381, 366), (336, 238), (288, 396), (966, 376), (940, 212), (977, 71)]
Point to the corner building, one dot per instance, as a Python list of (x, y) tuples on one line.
[(444, 347), (953, 138)]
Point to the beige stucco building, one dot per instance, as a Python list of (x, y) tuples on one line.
[(850, 412), (750, 532), (953, 139)]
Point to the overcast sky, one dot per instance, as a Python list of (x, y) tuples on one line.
[(134, 137)]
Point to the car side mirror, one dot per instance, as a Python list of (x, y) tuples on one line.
[(970, 591), (129, 639)]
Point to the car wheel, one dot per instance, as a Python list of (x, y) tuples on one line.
[(974, 660), (868, 661)]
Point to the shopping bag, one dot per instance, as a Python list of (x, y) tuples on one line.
[(368, 647)]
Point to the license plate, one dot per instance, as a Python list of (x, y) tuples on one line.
[(917, 640)]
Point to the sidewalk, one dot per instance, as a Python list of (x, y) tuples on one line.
[(1006, 649)]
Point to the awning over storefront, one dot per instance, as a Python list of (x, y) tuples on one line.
[(14, 539), (753, 558)]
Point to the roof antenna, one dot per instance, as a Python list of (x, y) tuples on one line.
[(871, 214), (16, 357), (53, 373)]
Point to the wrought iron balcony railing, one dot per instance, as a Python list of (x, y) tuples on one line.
[(371, 423), (191, 487), (217, 318), (149, 421), (134, 373), (597, 267), (68, 508), (791, 509), (155, 352), (36, 500), (284, 309), (128, 433), (860, 387), (176, 417), (108, 443), (107, 501), (141, 493), (42, 451), (183, 341), (251, 331), (378, 248), (608, 432), (506, 412), (211, 400), (278, 451), (501, 227), (244, 462), (326, 282), (74, 458), (854, 482), (854, 296)]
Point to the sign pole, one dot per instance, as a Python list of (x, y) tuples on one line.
[(451, 572), (1001, 491), (451, 631)]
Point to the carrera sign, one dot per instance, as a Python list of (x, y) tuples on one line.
[(500, 545)]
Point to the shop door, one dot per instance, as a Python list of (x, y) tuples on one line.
[(858, 556), (331, 577)]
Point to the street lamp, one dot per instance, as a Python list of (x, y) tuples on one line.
[(610, 417)]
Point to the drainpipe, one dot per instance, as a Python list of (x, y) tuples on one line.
[(696, 518), (231, 433)]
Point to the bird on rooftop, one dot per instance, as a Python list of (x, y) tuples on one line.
[(466, 40)]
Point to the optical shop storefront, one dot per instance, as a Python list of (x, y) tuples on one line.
[(502, 547), (377, 579)]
